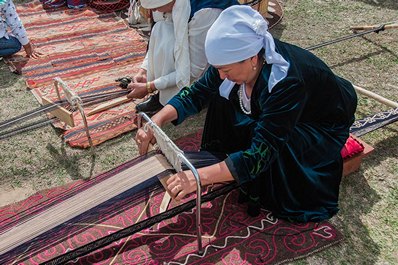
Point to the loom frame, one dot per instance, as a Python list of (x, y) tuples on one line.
[(174, 158)]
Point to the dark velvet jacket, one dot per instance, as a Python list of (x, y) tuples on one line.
[(289, 146)]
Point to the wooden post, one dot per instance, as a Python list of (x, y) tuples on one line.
[(376, 97), (368, 27)]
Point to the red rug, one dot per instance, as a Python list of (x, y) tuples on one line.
[(88, 50), (230, 236)]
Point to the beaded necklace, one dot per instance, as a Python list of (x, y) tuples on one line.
[(242, 107)]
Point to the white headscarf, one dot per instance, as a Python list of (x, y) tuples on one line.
[(180, 15), (238, 34)]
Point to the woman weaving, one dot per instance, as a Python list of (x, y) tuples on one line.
[(275, 110), (175, 56)]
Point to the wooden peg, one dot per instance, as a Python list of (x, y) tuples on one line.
[(376, 97), (369, 27), (108, 105)]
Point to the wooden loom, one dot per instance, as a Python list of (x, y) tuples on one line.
[(104, 191), (75, 102), (122, 180), (120, 183), (80, 203)]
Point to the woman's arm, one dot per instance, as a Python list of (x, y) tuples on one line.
[(144, 138), (184, 182), (279, 115), (189, 101)]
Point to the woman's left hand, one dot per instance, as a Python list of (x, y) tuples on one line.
[(144, 138), (31, 52), (138, 90), (181, 184)]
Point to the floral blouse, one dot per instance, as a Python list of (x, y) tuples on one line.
[(10, 20)]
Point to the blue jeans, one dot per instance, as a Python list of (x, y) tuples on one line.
[(9, 46)]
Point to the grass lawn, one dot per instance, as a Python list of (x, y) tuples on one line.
[(368, 217)]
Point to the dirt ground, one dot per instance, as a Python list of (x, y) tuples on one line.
[(368, 217)]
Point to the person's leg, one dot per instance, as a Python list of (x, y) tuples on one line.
[(9, 46), (302, 184), (226, 132)]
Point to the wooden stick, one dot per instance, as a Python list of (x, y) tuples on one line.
[(367, 27), (108, 105), (165, 202), (84, 117), (376, 97)]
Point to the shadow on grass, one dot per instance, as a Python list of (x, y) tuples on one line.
[(7, 78), (357, 199), (385, 148), (71, 162), (383, 50)]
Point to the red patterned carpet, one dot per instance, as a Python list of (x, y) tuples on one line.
[(230, 236), (88, 50)]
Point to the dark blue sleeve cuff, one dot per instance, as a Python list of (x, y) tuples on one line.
[(178, 106), (237, 167)]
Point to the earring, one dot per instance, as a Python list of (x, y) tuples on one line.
[(254, 68)]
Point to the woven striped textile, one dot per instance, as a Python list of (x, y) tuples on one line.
[(230, 235), (88, 50)]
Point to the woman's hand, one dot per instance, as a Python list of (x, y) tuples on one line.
[(181, 184), (31, 52), (138, 90), (140, 77), (143, 138), (184, 182)]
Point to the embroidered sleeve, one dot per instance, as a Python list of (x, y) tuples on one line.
[(191, 100)]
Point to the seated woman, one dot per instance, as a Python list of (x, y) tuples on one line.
[(175, 54), (277, 112), (12, 43)]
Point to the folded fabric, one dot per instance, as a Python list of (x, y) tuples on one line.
[(351, 147)]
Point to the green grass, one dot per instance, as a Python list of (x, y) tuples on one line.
[(368, 198)]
